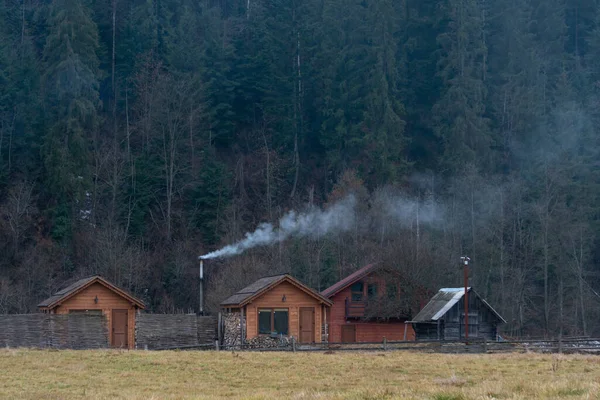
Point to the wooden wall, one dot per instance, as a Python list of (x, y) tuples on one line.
[(295, 299), (107, 301), (452, 328), (366, 331)]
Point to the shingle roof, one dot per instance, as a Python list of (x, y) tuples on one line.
[(347, 281), (443, 301), (255, 289), (70, 290)]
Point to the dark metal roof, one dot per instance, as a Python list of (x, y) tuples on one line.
[(443, 301), (70, 290), (349, 280), (255, 289)]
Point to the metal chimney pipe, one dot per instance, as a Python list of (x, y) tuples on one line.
[(201, 287)]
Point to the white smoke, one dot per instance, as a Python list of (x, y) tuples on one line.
[(315, 222), (393, 207)]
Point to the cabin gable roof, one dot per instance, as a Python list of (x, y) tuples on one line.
[(349, 280), (263, 285), (444, 300), (64, 294)]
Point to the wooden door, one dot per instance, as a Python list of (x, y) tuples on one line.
[(348, 333), (119, 328), (307, 325)]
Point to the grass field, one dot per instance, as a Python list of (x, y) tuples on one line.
[(30, 374)]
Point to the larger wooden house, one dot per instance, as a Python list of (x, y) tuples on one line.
[(96, 295), (369, 305), (443, 318), (280, 305)]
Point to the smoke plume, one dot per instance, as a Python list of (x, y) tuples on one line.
[(315, 222)]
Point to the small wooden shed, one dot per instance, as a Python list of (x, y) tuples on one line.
[(96, 295), (443, 318), (280, 305)]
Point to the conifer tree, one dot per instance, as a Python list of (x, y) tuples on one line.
[(71, 90)]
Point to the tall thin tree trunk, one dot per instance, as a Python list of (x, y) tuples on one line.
[(268, 156), (580, 273), (297, 106), (114, 117)]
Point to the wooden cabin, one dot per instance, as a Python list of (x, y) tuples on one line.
[(369, 305), (443, 318), (95, 295), (280, 305)]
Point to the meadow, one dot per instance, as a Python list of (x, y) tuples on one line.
[(36, 374)]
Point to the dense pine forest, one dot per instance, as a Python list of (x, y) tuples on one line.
[(137, 135)]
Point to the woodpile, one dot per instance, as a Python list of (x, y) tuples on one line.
[(268, 342), (231, 329)]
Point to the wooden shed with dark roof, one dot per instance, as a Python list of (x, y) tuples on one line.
[(280, 305), (443, 318), (96, 295)]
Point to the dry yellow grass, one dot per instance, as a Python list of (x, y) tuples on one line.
[(29, 374)]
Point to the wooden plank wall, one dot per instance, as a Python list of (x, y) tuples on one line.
[(53, 331), (294, 300), (366, 331), (107, 301)]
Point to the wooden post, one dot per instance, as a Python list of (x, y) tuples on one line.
[(219, 327), (241, 326), (293, 344), (405, 328), (485, 345), (384, 343), (465, 261), (216, 345), (438, 329), (560, 344), (466, 302)]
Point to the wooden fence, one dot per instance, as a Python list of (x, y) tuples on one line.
[(173, 331), (69, 331), (566, 346)]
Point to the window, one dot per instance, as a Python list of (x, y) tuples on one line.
[(392, 291), (357, 290), (273, 321), (372, 290)]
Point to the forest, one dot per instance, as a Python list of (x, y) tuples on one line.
[(138, 135)]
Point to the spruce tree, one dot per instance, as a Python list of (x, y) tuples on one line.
[(71, 90), (459, 115)]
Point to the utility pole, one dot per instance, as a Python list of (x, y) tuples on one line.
[(465, 261)]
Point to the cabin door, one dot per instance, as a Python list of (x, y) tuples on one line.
[(119, 328), (307, 325), (348, 333)]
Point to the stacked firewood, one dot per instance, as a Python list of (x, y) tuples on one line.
[(231, 329), (268, 342)]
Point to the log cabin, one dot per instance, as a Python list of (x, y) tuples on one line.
[(369, 305), (280, 305), (443, 318), (96, 295)]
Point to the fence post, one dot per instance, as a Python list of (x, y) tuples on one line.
[(216, 345), (384, 343), (485, 345), (560, 345), (293, 344)]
